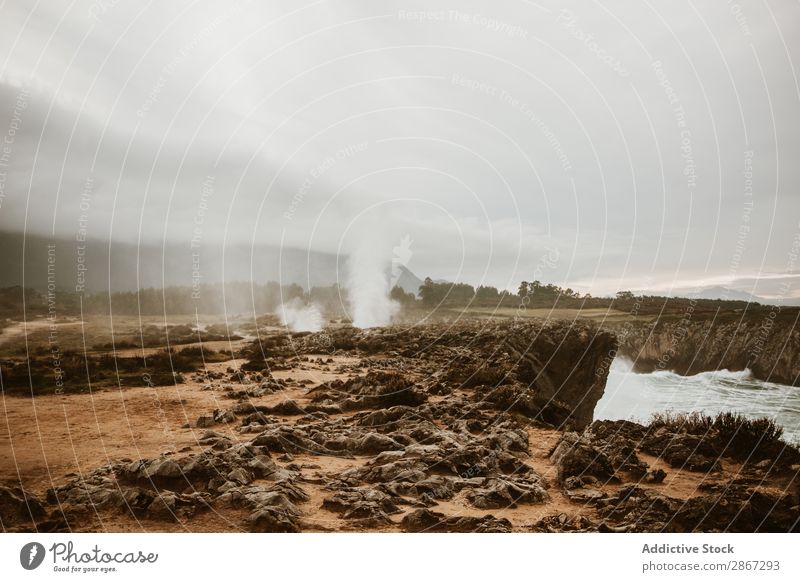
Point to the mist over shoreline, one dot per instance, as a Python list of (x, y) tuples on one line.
[(119, 266)]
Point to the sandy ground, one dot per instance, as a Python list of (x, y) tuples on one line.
[(48, 440)]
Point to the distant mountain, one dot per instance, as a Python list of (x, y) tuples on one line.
[(727, 293), (36, 261), (408, 281), (720, 292)]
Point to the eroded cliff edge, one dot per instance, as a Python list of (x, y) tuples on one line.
[(767, 343), (554, 371)]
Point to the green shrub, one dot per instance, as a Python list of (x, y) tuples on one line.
[(744, 437), (731, 434)]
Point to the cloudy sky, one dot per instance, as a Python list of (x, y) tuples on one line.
[(603, 146)]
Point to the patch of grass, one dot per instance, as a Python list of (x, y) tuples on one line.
[(72, 372), (595, 314), (101, 333), (199, 354), (110, 347)]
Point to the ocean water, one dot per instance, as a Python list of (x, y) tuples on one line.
[(632, 396)]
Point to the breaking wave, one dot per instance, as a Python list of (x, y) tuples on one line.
[(629, 395)]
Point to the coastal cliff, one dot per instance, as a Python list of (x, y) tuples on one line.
[(567, 366), (767, 343)]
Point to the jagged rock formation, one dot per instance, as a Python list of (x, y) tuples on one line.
[(431, 454), (553, 371), (766, 343), (564, 366)]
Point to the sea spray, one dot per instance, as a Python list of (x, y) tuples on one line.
[(368, 284), (298, 316)]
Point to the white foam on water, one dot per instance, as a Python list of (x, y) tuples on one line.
[(633, 396)]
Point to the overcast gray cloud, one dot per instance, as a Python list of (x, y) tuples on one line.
[(647, 145)]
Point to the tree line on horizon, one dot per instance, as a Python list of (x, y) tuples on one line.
[(434, 293), (244, 297)]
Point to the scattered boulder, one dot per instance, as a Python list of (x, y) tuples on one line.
[(19, 510), (427, 521), (497, 493), (270, 520), (574, 456), (563, 523), (369, 506), (224, 416), (286, 408)]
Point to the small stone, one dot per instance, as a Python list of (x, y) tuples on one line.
[(240, 476), (224, 416), (656, 476), (163, 506), (164, 469)]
